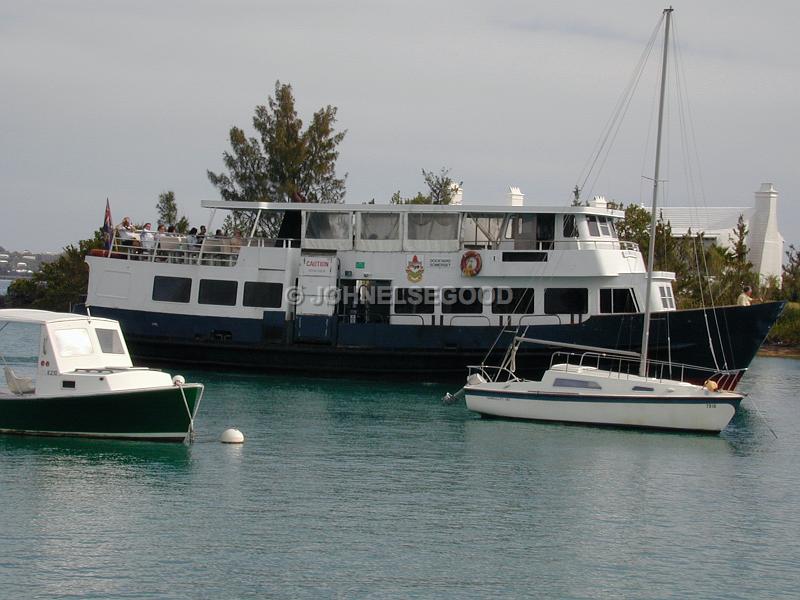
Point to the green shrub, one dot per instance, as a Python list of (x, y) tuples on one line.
[(787, 329)]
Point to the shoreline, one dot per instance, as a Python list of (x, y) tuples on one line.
[(779, 350)]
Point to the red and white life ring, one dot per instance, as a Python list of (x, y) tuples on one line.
[(471, 263)]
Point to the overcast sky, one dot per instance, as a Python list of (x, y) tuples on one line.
[(126, 99)]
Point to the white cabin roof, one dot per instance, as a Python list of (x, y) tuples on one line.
[(42, 317), (498, 209)]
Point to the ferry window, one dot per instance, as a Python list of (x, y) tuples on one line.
[(570, 227), (414, 301), (545, 230), (462, 301), (380, 226), (432, 226), (594, 230), (262, 294), (171, 289), (604, 226), (620, 300), (566, 301), (512, 301), (328, 225), (72, 342), (667, 300), (217, 291), (110, 342)]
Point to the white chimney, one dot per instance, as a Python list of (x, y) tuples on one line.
[(458, 195), (515, 196)]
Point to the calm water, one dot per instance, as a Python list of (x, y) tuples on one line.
[(352, 490)]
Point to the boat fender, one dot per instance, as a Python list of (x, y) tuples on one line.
[(178, 380), (711, 385), (471, 263)]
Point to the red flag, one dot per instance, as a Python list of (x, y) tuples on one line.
[(108, 227)]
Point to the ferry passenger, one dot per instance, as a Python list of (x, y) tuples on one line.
[(745, 297), (125, 233), (147, 238), (236, 241)]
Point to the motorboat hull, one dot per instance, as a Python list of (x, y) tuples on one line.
[(157, 414)]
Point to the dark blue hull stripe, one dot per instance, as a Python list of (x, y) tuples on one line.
[(599, 398)]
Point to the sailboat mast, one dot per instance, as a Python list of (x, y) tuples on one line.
[(653, 215)]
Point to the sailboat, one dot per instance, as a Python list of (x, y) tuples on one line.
[(608, 387)]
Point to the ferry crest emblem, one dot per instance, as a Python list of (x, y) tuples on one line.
[(415, 269)]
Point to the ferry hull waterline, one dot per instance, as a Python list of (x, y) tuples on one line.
[(434, 353), (405, 290)]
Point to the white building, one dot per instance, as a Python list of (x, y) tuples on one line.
[(718, 225)]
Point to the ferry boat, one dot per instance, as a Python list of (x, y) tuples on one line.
[(412, 291)]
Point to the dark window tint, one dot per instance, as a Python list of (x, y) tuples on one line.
[(265, 295), (570, 227), (512, 301), (414, 301), (217, 291), (524, 256), (171, 289), (462, 301), (576, 383), (617, 301), (560, 301)]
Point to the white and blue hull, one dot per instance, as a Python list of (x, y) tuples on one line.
[(662, 413)]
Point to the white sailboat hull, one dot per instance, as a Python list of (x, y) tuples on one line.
[(698, 417), (601, 398)]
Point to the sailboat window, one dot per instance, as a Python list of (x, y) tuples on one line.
[(432, 226), (380, 226), (171, 289), (620, 300), (512, 301), (217, 291), (576, 383), (566, 301), (462, 301), (110, 342), (72, 342)]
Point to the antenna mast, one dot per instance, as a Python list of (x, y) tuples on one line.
[(652, 248)]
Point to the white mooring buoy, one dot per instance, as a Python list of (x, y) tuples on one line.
[(232, 436)]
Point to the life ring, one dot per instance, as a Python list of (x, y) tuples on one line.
[(471, 263)]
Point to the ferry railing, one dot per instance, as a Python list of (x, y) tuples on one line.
[(621, 367), (176, 249)]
